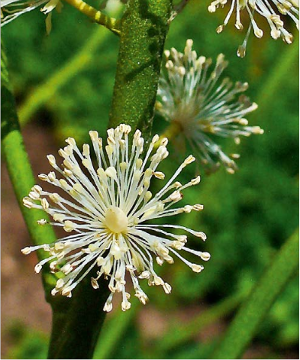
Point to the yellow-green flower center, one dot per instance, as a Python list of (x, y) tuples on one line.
[(116, 220)]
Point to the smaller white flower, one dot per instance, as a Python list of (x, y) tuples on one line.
[(11, 9), (270, 10), (201, 105), (105, 212)]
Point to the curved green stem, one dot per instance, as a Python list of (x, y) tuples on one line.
[(245, 324), (59, 78), (97, 16), (19, 168)]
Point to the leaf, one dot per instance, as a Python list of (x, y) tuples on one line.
[(245, 324)]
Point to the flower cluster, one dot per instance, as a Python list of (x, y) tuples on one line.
[(11, 9), (200, 105), (270, 10), (107, 209)]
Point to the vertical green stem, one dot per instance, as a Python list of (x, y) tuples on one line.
[(143, 31), (77, 321)]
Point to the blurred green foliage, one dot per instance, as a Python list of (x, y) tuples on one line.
[(247, 216), (28, 343)]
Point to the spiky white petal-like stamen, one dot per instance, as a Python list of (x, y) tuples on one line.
[(200, 105), (107, 209), (270, 10), (11, 9)]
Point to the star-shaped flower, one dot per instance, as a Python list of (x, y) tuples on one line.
[(200, 105), (107, 208)]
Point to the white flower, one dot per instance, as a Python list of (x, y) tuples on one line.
[(270, 10), (11, 9), (107, 209), (199, 105)]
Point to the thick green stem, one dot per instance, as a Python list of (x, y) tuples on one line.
[(245, 324), (19, 168), (77, 321), (143, 31)]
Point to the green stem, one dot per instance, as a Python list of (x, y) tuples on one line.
[(143, 31), (96, 15), (77, 321), (19, 168), (59, 78), (245, 324)]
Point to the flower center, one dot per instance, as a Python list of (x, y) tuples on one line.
[(116, 220)]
